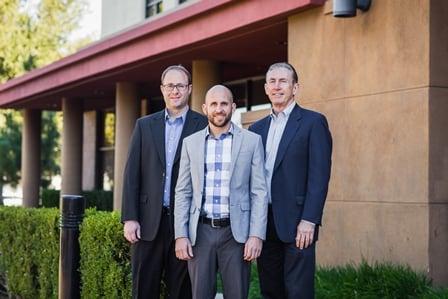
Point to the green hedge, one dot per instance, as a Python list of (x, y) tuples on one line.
[(99, 199), (105, 263), (29, 248)]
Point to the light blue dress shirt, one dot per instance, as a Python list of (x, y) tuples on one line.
[(173, 130), (276, 128)]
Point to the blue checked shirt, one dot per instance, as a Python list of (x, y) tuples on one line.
[(173, 130), (217, 174)]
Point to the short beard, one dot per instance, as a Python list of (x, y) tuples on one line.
[(224, 123)]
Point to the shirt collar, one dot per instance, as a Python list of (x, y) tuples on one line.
[(183, 115), (286, 112), (229, 132)]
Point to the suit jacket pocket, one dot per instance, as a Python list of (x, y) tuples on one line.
[(193, 209), (300, 200)]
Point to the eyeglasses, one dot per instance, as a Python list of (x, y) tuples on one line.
[(180, 87)]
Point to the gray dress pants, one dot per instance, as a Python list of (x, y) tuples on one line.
[(217, 251)]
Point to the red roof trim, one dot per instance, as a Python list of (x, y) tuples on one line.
[(197, 22)]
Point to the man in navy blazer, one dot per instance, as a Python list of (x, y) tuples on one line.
[(148, 189), (298, 147)]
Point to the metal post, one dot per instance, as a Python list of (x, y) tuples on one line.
[(72, 213)]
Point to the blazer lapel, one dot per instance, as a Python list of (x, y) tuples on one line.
[(191, 123), (236, 146), (265, 130), (199, 153), (291, 128), (158, 131)]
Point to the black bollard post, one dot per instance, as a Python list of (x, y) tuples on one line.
[(72, 213)]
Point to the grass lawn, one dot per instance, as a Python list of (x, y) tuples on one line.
[(364, 281)]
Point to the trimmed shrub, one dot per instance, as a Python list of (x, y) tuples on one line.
[(29, 250), (99, 199), (29, 247), (105, 262), (50, 198)]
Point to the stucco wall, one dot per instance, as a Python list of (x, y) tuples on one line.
[(118, 15), (373, 77)]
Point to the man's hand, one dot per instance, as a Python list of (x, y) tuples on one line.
[(183, 249), (305, 234), (132, 231), (252, 248)]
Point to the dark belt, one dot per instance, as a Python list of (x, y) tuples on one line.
[(216, 222), (166, 211)]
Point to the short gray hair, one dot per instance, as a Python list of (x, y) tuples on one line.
[(285, 65)]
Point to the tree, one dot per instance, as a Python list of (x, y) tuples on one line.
[(10, 142), (50, 145), (32, 34)]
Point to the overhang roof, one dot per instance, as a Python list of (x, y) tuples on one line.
[(244, 36)]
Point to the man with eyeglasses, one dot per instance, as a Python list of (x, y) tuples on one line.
[(298, 146), (148, 189)]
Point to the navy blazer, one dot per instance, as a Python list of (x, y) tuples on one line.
[(301, 171), (144, 174)]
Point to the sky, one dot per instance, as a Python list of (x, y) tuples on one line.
[(90, 23)]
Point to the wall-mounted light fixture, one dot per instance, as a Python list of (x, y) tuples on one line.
[(347, 8)]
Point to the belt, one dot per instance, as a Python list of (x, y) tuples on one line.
[(166, 211), (216, 222)]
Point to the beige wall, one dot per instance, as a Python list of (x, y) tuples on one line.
[(372, 77), (118, 15)]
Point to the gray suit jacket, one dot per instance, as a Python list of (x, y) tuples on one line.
[(248, 196)]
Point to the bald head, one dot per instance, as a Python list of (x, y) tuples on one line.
[(219, 91), (218, 108)]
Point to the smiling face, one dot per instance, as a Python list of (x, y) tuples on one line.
[(175, 90), (218, 106), (280, 87)]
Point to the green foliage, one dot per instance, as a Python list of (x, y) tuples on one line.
[(10, 143), (10, 146), (254, 287), (33, 34), (50, 146), (105, 264), (99, 199), (29, 247), (50, 198), (374, 281)]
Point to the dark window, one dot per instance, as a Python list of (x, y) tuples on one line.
[(153, 7)]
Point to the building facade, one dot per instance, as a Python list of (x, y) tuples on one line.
[(381, 79)]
